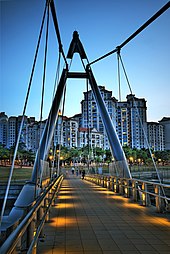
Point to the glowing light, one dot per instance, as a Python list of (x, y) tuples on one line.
[(126, 190), (135, 206), (50, 157), (61, 205), (67, 196), (131, 159), (143, 196), (157, 220), (64, 221)]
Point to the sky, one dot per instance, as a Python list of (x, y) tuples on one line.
[(102, 25)]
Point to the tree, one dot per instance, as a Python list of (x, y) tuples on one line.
[(4, 154), (162, 156)]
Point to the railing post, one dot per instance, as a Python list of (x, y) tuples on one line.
[(111, 183), (126, 188), (116, 186), (30, 234), (160, 204), (98, 180), (53, 192), (121, 186), (103, 181), (39, 218), (46, 202), (108, 183), (134, 190), (145, 198)]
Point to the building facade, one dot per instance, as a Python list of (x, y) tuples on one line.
[(156, 136), (3, 128), (166, 123), (128, 117), (137, 122), (90, 113), (90, 136), (66, 132)]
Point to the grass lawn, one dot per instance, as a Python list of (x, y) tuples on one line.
[(19, 174)]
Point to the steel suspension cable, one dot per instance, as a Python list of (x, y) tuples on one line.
[(88, 126), (57, 30), (57, 74), (132, 36), (144, 132), (62, 111), (62, 114), (118, 73), (23, 116), (45, 62), (55, 85), (43, 85)]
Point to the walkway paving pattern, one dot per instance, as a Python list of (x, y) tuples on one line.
[(92, 220)]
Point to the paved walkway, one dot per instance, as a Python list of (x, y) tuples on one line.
[(89, 219)]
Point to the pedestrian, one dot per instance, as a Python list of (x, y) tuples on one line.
[(72, 170), (83, 174), (77, 172)]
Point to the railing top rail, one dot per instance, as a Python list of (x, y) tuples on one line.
[(135, 179), (10, 243)]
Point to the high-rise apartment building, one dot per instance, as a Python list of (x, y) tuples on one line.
[(3, 128), (66, 132), (134, 118), (128, 118), (90, 136), (122, 123), (156, 136), (166, 123), (90, 113), (131, 122), (34, 133), (12, 131)]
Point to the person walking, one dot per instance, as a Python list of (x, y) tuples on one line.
[(83, 174)]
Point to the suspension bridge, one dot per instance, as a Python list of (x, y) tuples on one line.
[(100, 214)]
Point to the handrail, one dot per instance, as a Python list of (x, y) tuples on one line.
[(38, 230), (133, 184), (11, 242), (153, 183)]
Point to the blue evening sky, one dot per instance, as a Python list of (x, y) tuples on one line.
[(102, 25)]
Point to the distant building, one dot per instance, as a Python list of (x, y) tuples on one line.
[(66, 132), (90, 136), (90, 113), (34, 133), (156, 136), (137, 122), (128, 117), (12, 131), (3, 128), (122, 123), (166, 123), (78, 118)]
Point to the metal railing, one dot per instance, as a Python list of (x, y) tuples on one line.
[(26, 234), (145, 192)]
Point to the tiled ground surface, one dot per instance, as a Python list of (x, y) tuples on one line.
[(89, 219)]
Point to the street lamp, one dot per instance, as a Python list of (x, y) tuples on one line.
[(131, 159)]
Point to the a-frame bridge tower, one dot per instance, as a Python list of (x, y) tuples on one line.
[(115, 146)]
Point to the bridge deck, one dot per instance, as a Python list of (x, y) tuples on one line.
[(89, 219)]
